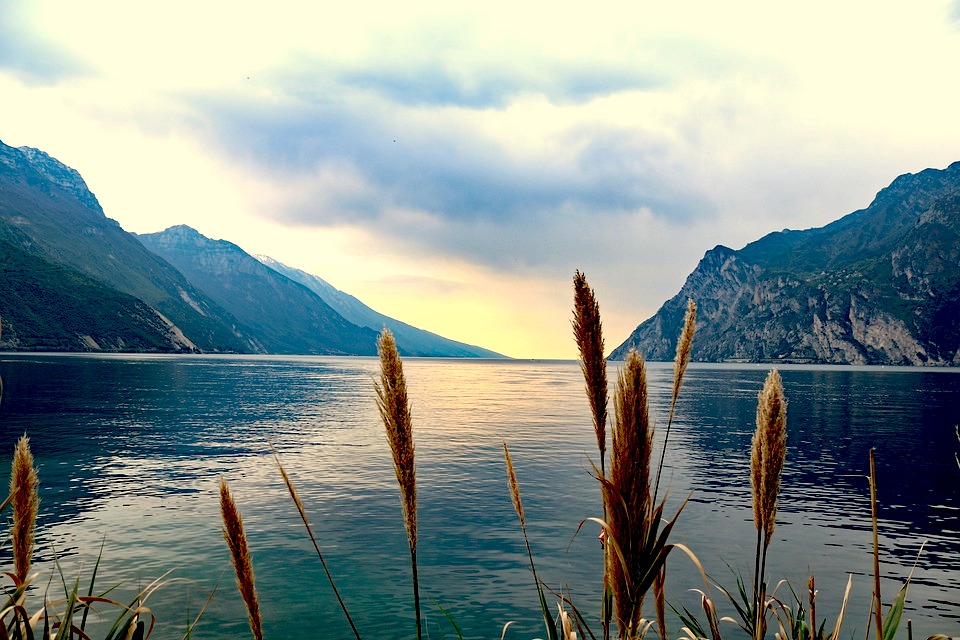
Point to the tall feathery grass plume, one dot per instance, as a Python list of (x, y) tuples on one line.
[(395, 410), (25, 501), (240, 556), (767, 454), (627, 493), (680, 362), (588, 332)]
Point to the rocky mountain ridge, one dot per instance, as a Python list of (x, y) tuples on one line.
[(878, 286), (72, 279), (50, 223), (285, 316), (65, 177)]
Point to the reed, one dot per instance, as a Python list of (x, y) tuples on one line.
[(627, 493), (306, 523), (395, 411), (767, 454), (680, 362), (25, 501), (551, 626), (588, 333), (64, 617), (240, 556), (635, 546), (878, 614)]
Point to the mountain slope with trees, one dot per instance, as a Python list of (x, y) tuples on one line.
[(47, 213)]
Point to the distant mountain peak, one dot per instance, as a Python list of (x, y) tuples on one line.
[(410, 340), (182, 236)]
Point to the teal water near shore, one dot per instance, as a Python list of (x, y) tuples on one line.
[(130, 448)]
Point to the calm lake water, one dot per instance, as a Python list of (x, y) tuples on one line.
[(130, 449)]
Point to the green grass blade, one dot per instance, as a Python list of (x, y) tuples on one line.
[(450, 618), (93, 580), (892, 620)]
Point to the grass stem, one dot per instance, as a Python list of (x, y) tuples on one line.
[(878, 614)]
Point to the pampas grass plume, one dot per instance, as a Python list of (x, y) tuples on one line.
[(684, 347), (768, 452), (514, 487), (680, 362), (395, 410), (588, 332), (240, 556), (25, 499), (628, 490)]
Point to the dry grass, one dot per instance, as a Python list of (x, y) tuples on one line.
[(25, 500), (684, 349), (680, 362), (395, 410), (627, 494), (588, 333), (551, 626), (514, 489), (306, 523), (767, 453), (240, 556)]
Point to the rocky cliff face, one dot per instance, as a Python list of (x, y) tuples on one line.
[(879, 286), (61, 175)]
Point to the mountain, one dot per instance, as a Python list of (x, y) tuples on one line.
[(286, 316), (49, 307), (878, 286), (62, 253), (410, 340)]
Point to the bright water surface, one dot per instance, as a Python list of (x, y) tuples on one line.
[(130, 449)]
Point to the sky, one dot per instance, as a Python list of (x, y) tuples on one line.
[(452, 164)]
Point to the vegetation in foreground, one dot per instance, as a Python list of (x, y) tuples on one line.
[(635, 531)]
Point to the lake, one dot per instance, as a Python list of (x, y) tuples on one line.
[(130, 449)]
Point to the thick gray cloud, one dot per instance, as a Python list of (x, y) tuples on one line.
[(471, 198), (496, 88), (446, 171)]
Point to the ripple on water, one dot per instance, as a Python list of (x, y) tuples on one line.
[(130, 450)]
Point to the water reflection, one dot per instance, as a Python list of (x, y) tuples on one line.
[(130, 448)]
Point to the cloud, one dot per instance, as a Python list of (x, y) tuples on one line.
[(496, 87), (447, 190), (32, 57), (364, 155), (955, 11), (424, 285)]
